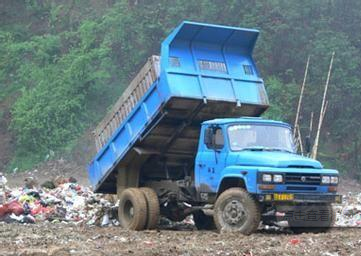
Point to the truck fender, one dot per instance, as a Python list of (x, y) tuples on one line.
[(230, 181), (234, 176)]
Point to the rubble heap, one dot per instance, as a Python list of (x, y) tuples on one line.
[(60, 200), (349, 212), (64, 200)]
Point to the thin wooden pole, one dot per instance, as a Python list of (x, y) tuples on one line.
[(301, 96), (311, 125), (308, 138), (322, 112), (300, 139), (296, 141)]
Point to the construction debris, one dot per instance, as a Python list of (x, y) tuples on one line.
[(59, 200), (349, 212), (64, 200)]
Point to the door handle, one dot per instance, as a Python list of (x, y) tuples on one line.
[(201, 165)]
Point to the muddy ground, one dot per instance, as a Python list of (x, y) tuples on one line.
[(62, 239), (70, 239)]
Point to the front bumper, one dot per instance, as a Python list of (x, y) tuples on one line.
[(299, 198)]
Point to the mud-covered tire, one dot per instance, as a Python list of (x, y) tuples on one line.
[(321, 226), (153, 208), (203, 221), (132, 211), (236, 211)]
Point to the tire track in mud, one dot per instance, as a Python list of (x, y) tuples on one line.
[(69, 239)]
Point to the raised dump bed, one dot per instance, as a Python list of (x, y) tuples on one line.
[(206, 72)]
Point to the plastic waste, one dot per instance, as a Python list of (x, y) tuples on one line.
[(295, 241), (15, 207), (348, 214), (105, 220), (67, 201)]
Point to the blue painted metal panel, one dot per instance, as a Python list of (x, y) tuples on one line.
[(251, 179), (125, 136), (188, 89), (247, 92), (227, 49)]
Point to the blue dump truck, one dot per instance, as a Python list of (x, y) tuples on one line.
[(186, 138)]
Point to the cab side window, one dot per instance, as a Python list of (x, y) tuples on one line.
[(218, 139), (214, 138)]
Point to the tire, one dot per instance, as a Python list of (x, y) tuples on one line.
[(153, 208), (132, 211), (304, 226), (203, 221), (236, 211)]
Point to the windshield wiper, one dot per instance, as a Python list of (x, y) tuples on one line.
[(260, 148), (256, 148), (281, 150)]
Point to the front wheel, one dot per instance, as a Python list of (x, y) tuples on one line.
[(236, 211)]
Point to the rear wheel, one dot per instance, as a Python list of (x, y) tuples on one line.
[(203, 221), (153, 208), (317, 219), (236, 211), (132, 211)]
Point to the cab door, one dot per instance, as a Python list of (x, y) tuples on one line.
[(210, 159)]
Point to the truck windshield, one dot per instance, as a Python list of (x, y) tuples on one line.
[(260, 137)]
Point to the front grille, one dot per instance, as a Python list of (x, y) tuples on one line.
[(303, 178), (301, 188), (307, 197)]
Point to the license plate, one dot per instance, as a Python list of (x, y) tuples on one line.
[(283, 197)]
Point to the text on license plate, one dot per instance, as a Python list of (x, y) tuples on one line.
[(283, 197)]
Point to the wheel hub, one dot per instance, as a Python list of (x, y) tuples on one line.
[(234, 213), (128, 210)]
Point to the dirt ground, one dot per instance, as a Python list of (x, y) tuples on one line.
[(70, 239), (62, 239)]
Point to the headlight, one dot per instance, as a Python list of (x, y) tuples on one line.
[(334, 180), (277, 178), (266, 177), (326, 180)]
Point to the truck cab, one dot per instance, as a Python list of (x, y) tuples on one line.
[(257, 152), (259, 156)]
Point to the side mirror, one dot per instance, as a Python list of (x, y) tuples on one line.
[(308, 144), (208, 137)]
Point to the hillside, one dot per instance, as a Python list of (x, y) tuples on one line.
[(63, 64)]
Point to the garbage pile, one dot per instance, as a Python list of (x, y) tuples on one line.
[(349, 212), (64, 200), (59, 200)]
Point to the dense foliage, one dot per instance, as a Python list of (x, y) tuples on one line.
[(67, 61)]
